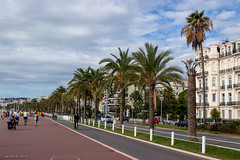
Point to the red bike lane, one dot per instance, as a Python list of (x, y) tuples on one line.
[(49, 140)]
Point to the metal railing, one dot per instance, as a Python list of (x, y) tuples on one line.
[(229, 86)]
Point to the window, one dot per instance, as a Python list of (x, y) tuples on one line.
[(223, 97), (200, 84), (230, 114), (230, 80), (200, 114), (214, 97), (177, 87), (230, 97), (238, 45), (206, 113), (223, 114), (200, 99), (223, 82), (229, 49), (214, 82), (206, 99), (206, 82)]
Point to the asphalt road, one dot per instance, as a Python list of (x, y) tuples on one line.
[(215, 139), (137, 149)]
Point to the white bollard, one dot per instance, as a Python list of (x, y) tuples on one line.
[(113, 127), (105, 126), (81, 120), (122, 129), (135, 131), (151, 134), (172, 139), (93, 123), (84, 121), (203, 144), (89, 122), (98, 123)]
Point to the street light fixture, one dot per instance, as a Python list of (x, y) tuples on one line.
[(160, 96)]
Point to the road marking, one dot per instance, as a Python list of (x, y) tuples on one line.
[(133, 158)]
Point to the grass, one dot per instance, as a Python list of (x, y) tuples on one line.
[(211, 151)]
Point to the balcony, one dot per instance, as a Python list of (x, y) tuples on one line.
[(229, 70), (201, 104), (222, 87), (200, 74), (236, 68), (236, 50), (229, 86), (222, 104), (222, 71), (230, 103), (237, 85)]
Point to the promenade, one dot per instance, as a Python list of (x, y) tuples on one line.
[(49, 140)]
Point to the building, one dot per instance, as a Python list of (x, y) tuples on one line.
[(115, 101), (222, 83)]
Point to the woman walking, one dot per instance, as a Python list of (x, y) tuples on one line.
[(36, 119)]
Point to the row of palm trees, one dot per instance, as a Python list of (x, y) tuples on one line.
[(145, 68)]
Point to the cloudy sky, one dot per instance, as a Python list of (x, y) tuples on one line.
[(42, 42)]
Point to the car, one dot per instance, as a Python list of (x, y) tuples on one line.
[(107, 118), (169, 122), (184, 123), (156, 120)]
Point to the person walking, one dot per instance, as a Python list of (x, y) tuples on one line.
[(42, 114), (17, 115), (76, 119), (36, 119), (25, 117)]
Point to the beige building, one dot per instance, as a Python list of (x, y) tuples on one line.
[(222, 72)]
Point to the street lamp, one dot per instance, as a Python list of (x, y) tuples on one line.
[(161, 99)]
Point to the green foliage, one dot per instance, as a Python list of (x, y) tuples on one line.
[(215, 114), (203, 127), (232, 127), (214, 126)]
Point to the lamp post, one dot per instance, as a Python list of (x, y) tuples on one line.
[(161, 99)]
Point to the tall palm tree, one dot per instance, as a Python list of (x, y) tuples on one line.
[(191, 72), (58, 96), (153, 69), (123, 75), (95, 83), (194, 31)]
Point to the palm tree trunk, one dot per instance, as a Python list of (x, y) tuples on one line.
[(79, 106), (191, 104), (85, 105), (122, 104), (203, 79), (151, 105), (96, 107)]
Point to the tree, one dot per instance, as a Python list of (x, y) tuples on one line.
[(215, 114), (191, 73), (194, 31), (153, 69), (123, 74)]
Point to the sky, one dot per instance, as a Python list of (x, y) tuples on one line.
[(43, 42)]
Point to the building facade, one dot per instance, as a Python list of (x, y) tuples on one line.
[(222, 80)]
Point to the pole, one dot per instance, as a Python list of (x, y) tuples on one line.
[(161, 110)]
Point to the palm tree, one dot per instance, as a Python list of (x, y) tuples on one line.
[(123, 75), (191, 72), (96, 83), (194, 31), (153, 69)]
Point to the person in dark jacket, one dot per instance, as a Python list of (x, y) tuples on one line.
[(76, 119)]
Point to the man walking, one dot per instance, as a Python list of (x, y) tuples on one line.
[(76, 119), (25, 117)]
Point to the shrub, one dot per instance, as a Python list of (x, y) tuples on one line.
[(214, 126), (226, 129), (203, 126)]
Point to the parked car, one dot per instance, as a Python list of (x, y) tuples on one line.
[(124, 118), (169, 122), (184, 123), (156, 120), (108, 118)]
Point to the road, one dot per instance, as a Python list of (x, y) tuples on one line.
[(137, 149), (215, 139)]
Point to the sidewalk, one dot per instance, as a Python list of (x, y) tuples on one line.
[(48, 141)]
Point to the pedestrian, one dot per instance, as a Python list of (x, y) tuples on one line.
[(13, 122), (36, 119), (25, 117), (42, 114), (76, 119), (17, 115)]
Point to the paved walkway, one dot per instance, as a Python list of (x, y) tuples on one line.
[(50, 140)]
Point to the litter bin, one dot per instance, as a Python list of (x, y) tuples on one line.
[(9, 125)]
